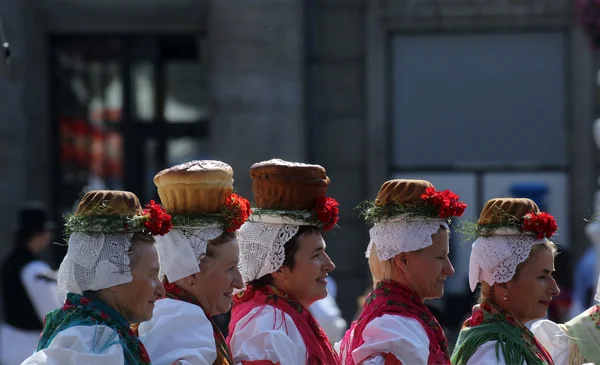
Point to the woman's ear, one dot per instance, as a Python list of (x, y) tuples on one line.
[(279, 274), (401, 260), (190, 280)]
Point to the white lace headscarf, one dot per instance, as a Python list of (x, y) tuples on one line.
[(181, 250), (394, 236), (262, 239), (94, 261), (494, 259)]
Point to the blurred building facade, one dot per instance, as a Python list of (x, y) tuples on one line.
[(473, 95)]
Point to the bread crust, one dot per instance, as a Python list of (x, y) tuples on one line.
[(290, 172), (194, 172), (195, 187), (515, 207), (285, 185), (109, 202), (401, 191)]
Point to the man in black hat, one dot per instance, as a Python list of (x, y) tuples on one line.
[(28, 286)]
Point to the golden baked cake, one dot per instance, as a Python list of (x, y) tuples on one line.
[(284, 185), (109, 202), (195, 187), (495, 210), (401, 192)]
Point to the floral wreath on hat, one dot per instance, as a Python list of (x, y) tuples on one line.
[(325, 215), (232, 215), (434, 204), (153, 220), (540, 225)]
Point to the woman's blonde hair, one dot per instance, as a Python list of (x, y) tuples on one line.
[(487, 290), (381, 270)]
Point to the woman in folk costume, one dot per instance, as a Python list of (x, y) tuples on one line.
[(408, 257), (284, 264), (199, 260), (513, 260), (110, 279), (576, 342)]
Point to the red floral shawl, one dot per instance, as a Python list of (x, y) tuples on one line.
[(391, 297), (318, 347)]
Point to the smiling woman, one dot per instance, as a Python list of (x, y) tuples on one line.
[(285, 266), (408, 256), (199, 259), (219, 276), (514, 261), (304, 254), (110, 279)]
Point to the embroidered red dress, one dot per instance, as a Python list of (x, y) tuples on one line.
[(267, 301), (393, 300)]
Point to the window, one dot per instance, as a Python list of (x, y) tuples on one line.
[(125, 107), (459, 90)]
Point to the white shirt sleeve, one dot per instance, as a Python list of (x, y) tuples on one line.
[(89, 345), (41, 290), (179, 333), (486, 355), (554, 340), (403, 337), (268, 335), (328, 315)]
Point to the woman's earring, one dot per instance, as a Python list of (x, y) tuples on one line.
[(505, 295)]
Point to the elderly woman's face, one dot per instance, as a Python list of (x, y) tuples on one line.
[(427, 269), (218, 277), (135, 300), (530, 293)]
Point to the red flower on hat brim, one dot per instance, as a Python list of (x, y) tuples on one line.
[(328, 212), (445, 202), (542, 224), (159, 221), (237, 210)]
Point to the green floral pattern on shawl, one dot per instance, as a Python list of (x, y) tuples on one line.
[(490, 323), (585, 331), (82, 311)]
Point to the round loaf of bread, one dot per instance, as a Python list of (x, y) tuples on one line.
[(195, 187), (109, 202), (284, 185), (401, 191), (495, 210)]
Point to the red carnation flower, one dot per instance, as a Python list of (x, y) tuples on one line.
[(542, 224), (445, 202), (328, 212), (159, 222), (67, 305), (171, 288), (237, 209)]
